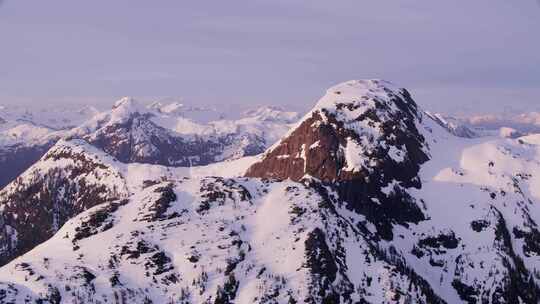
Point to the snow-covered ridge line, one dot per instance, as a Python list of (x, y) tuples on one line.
[(74, 176)]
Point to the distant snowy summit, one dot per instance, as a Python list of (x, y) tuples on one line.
[(455, 126), (349, 131), (199, 114), (135, 133)]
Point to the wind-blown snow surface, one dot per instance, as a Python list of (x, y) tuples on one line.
[(180, 237)]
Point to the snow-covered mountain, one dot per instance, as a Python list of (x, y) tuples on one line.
[(66, 181), (22, 145), (53, 118), (367, 199), (455, 126), (526, 123), (15, 159), (508, 125), (70, 178), (132, 132), (200, 114), (26, 134)]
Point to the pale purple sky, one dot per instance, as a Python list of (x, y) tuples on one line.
[(455, 56)]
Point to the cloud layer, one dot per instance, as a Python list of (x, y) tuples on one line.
[(453, 54)]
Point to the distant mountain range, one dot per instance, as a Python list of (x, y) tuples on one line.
[(165, 134)]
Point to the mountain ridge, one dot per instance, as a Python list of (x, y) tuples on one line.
[(133, 132)]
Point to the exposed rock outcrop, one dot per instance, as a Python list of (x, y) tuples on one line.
[(361, 138)]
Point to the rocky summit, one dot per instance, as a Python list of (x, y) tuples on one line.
[(362, 136), (366, 199)]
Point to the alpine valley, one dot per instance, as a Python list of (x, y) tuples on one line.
[(367, 198)]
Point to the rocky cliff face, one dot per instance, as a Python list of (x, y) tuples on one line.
[(362, 137), (356, 129)]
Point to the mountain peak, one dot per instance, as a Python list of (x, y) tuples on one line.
[(125, 108), (364, 139), (354, 89), (355, 129), (128, 104), (358, 101)]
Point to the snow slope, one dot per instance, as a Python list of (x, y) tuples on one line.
[(72, 177)]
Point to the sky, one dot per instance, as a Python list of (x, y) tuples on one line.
[(457, 56)]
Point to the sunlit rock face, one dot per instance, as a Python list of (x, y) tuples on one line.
[(362, 136)]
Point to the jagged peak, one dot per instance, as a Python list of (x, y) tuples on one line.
[(126, 106), (71, 143), (122, 110)]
